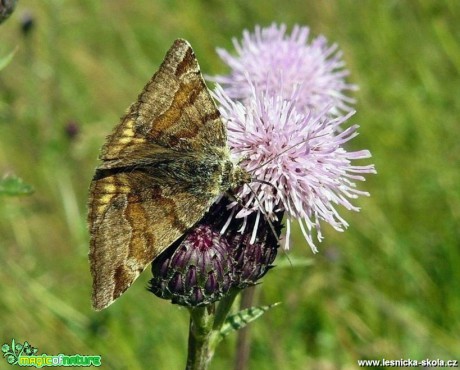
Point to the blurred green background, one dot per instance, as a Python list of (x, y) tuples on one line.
[(389, 287)]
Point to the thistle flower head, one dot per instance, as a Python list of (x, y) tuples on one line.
[(200, 268), (301, 155), (195, 271), (282, 63)]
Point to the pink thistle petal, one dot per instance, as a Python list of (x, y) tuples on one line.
[(282, 63), (299, 153)]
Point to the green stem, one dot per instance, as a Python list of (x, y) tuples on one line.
[(204, 331), (199, 351)]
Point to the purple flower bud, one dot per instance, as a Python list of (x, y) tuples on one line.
[(195, 270), (253, 260), (72, 130), (202, 267)]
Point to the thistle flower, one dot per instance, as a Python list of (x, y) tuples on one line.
[(252, 255), (195, 271), (300, 155), (281, 63), (253, 259)]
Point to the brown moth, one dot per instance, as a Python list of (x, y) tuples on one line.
[(162, 168)]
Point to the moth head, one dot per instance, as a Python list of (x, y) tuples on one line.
[(240, 176)]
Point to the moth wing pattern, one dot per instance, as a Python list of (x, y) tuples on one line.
[(134, 216), (131, 227), (175, 110)]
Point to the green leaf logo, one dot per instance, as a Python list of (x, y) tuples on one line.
[(12, 353)]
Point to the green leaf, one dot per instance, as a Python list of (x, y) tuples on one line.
[(4, 61), (12, 185), (242, 318)]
